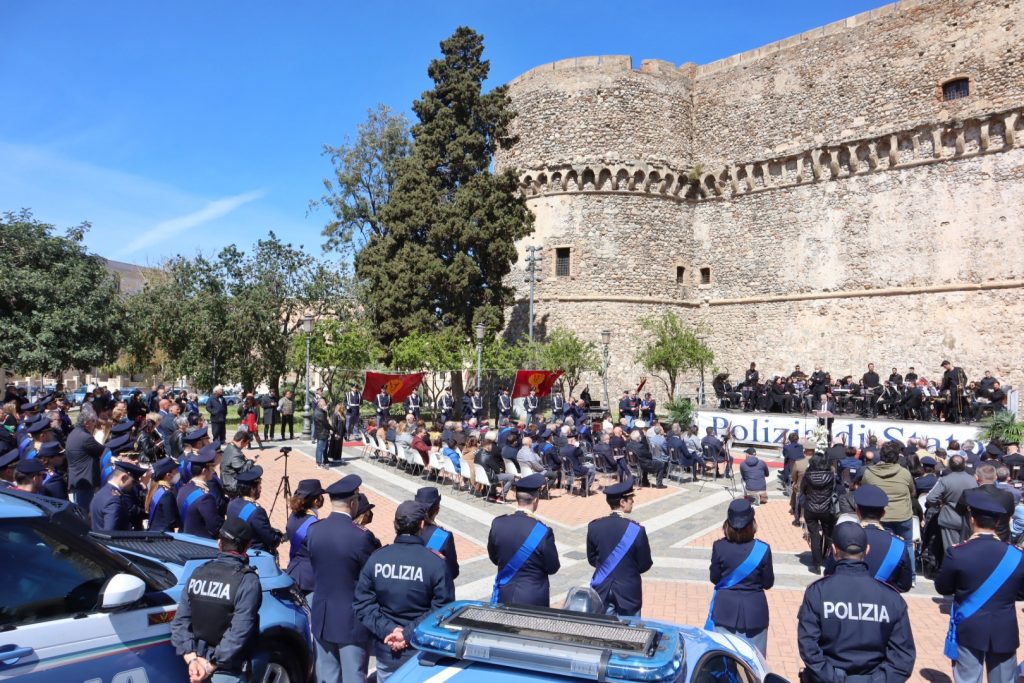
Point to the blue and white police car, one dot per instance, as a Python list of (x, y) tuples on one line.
[(77, 607)]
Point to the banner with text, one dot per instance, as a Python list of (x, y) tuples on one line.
[(771, 429), (399, 386), (540, 381)]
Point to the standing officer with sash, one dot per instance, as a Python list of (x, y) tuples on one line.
[(197, 503), (618, 548), (851, 627), (162, 507), (414, 404), (557, 405), (353, 399), (55, 483), (985, 576), (305, 502), (504, 406), (437, 538), (110, 508), (531, 404), (446, 405), (245, 508), (741, 569), (524, 550), (383, 406), (888, 555)]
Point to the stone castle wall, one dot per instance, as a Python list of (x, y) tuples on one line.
[(845, 212)]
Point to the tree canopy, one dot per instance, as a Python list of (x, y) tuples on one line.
[(339, 350), (671, 350), (563, 350)]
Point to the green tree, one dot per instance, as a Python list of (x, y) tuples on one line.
[(60, 306), (365, 171), (563, 350), (339, 350), (672, 350), (436, 353), (451, 224)]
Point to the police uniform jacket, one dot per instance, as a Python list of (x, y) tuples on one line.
[(622, 588), (218, 613), (164, 514), (55, 485), (398, 586), (83, 455), (299, 566), (1003, 498), (109, 510), (447, 550), (264, 536), (993, 628), (853, 623), (879, 540), (201, 518), (530, 584), (338, 549), (743, 607)]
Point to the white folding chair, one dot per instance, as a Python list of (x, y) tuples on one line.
[(434, 465)]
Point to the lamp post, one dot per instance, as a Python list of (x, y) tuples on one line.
[(307, 424), (606, 338), (700, 387), (479, 351)]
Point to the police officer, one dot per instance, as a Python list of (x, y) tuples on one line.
[(338, 549), (437, 538), (110, 509), (28, 475), (161, 507), (383, 405), (523, 582), (197, 503), (851, 627), (985, 576), (194, 441), (476, 404), (398, 586), (531, 403), (305, 502), (617, 547), (249, 486), (557, 405), (8, 461), (446, 404), (217, 624), (353, 399), (888, 555), (55, 481), (504, 406), (414, 404)]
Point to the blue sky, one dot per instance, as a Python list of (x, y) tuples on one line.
[(184, 126)]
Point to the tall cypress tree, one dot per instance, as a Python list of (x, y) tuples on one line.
[(451, 224)]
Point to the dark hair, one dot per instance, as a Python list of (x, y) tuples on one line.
[(407, 526), (525, 497), (890, 452), (984, 520), (818, 462), (957, 463), (793, 437), (851, 452), (300, 505), (233, 546), (197, 468), (510, 439), (744, 535), (245, 488), (954, 445)]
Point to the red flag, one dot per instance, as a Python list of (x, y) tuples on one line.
[(540, 380), (399, 386)]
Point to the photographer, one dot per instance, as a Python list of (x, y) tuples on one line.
[(234, 461)]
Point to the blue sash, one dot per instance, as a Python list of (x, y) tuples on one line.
[(191, 498), (157, 495), (437, 540), (106, 469), (745, 569), (299, 537), (246, 512), (508, 572), (891, 560), (30, 454), (613, 560), (977, 599), (24, 445)]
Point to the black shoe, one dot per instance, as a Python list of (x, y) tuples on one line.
[(660, 486), (796, 522), (816, 569)]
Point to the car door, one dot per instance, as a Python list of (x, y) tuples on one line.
[(51, 629)]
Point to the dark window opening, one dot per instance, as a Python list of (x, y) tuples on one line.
[(955, 89), (705, 276), (562, 262), (680, 274)]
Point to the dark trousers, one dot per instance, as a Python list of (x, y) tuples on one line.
[(352, 423), (819, 527), (289, 422), (269, 427), (218, 431), (657, 467)]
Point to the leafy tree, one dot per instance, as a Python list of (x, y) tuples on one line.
[(451, 224), (365, 171), (60, 306), (563, 350), (672, 350), (340, 350)]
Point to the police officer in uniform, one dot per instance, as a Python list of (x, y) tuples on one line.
[(476, 405), (353, 399), (557, 404), (525, 583), (983, 633), (850, 626), (617, 547), (8, 461), (886, 562), (338, 549), (197, 501), (383, 405), (446, 404), (305, 502), (217, 624), (437, 538), (246, 508), (504, 406), (161, 506), (110, 509), (28, 475), (531, 404), (414, 404), (55, 481), (398, 586)]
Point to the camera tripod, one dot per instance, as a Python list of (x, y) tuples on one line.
[(285, 485)]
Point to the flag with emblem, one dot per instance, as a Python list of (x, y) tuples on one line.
[(539, 380), (399, 386)]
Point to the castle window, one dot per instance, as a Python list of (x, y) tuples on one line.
[(680, 274), (956, 89), (562, 262), (705, 276)]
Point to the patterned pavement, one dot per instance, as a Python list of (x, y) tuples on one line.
[(682, 522)]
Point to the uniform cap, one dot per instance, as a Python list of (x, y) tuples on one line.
[(364, 505), (236, 530), (204, 456), (163, 466), (619, 490), (129, 467), (122, 428), (740, 514), (41, 424), (982, 503), (46, 401), (850, 537), (30, 467), (8, 458), (48, 449), (429, 496), (870, 496), (309, 488), (195, 435), (929, 461), (251, 475), (344, 487), (119, 444), (29, 407), (530, 483), (993, 449), (410, 512)]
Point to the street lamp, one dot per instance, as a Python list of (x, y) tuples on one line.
[(479, 351), (606, 338), (307, 424)]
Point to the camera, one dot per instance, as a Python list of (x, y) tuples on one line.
[(286, 449)]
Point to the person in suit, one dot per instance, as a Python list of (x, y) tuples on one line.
[(946, 495), (161, 506), (268, 403), (338, 548), (617, 573), (436, 537), (109, 508), (715, 450), (198, 505), (83, 454), (217, 407), (741, 570), (985, 475), (984, 638), (246, 507), (525, 584)]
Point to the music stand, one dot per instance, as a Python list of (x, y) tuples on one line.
[(284, 486)]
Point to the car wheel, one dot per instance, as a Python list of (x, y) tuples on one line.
[(281, 668)]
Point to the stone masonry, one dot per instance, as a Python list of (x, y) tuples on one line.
[(844, 210)]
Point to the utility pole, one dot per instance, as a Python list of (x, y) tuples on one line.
[(533, 259)]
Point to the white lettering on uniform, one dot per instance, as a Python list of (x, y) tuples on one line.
[(130, 676), (209, 589), (400, 572), (856, 611)]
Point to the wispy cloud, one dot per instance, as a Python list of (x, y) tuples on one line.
[(174, 227)]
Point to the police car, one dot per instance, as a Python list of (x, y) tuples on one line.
[(474, 642), (77, 607)]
